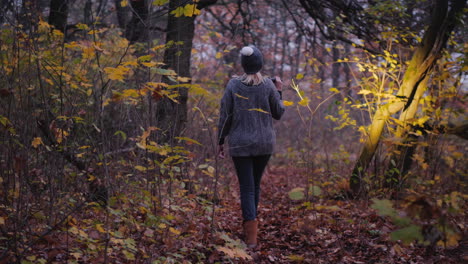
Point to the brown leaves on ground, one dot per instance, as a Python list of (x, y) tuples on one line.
[(320, 229), (325, 231)]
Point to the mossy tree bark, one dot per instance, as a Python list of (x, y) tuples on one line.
[(420, 66)]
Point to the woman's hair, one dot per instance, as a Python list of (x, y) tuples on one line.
[(251, 79)]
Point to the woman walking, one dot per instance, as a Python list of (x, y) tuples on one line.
[(248, 107)]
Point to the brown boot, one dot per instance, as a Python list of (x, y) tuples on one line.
[(250, 233)]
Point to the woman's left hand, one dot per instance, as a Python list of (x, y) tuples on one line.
[(221, 151), (278, 83)]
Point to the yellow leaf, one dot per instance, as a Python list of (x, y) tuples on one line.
[(162, 226), (158, 47), (258, 110), (36, 142), (191, 10), (89, 92), (299, 76), (91, 177), (82, 26), (145, 58), (334, 90), (189, 140), (100, 228), (457, 155), (2, 220), (240, 96), (174, 231), (116, 73), (178, 12), (133, 93), (218, 55), (304, 101), (451, 241), (364, 92), (44, 26), (130, 63), (149, 64), (183, 79), (422, 120), (288, 103), (140, 168), (160, 2)]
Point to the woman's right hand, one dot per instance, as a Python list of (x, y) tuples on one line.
[(278, 83)]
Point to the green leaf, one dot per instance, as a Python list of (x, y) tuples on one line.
[(296, 194), (401, 221), (165, 72), (128, 255), (384, 207), (408, 234), (315, 190), (130, 244), (122, 134)]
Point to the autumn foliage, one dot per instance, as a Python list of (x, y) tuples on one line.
[(88, 174)]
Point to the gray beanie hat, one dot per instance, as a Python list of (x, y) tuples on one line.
[(251, 59)]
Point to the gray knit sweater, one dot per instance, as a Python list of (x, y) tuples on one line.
[(246, 118)]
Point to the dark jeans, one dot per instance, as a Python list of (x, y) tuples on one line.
[(249, 172)]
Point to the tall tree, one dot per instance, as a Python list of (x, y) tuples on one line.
[(137, 29), (58, 14), (348, 20), (414, 82), (171, 116)]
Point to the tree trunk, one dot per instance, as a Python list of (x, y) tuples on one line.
[(435, 38), (121, 14), (401, 160), (171, 117), (335, 66), (58, 14), (29, 15), (137, 29)]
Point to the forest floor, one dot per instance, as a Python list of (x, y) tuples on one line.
[(326, 229)]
